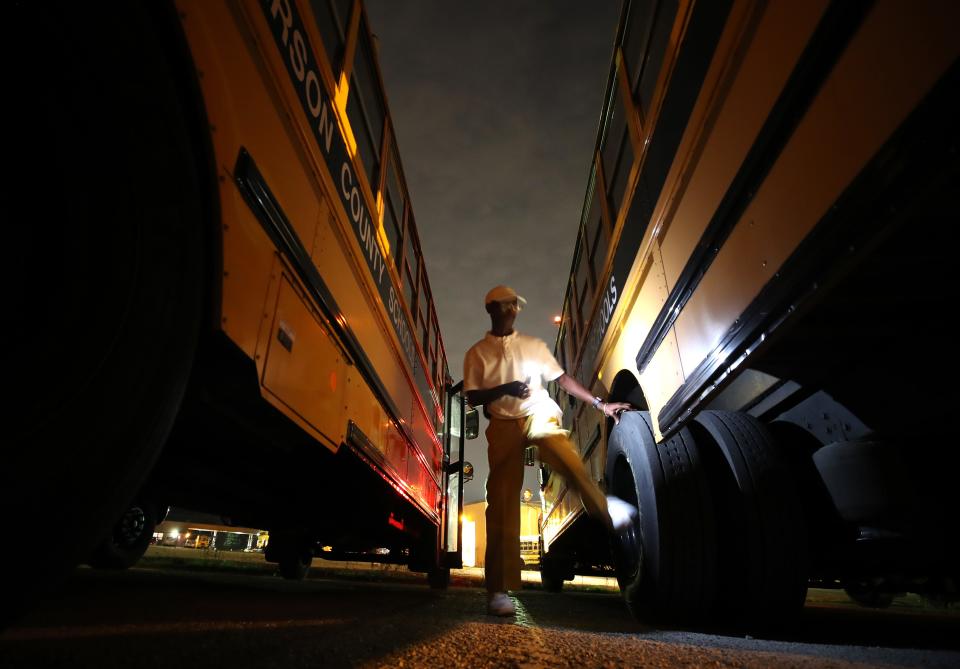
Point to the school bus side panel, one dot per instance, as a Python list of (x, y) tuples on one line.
[(224, 64), (351, 284), (769, 59), (252, 113), (303, 368), (701, 171), (892, 62)]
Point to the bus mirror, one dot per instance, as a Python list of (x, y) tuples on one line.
[(471, 423), (467, 472)]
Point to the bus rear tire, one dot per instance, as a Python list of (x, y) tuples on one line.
[(110, 274), (868, 595), (553, 572), (763, 556), (129, 538), (294, 566), (439, 578), (666, 568)]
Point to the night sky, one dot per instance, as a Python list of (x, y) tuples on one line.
[(496, 106)]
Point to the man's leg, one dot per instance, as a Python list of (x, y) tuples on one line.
[(505, 454), (560, 454)]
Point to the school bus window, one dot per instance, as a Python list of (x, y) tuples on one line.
[(424, 330), (410, 253), (561, 349), (365, 107), (598, 248), (618, 183), (584, 283), (598, 252), (394, 189), (423, 306), (393, 219), (637, 37), (443, 371), (584, 302), (615, 127), (391, 224), (659, 40), (617, 152), (434, 340), (409, 289), (343, 8), (332, 21), (571, 318), (596, 233)]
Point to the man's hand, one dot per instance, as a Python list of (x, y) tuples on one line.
[(517, 389), (514, 388), (614, 409)]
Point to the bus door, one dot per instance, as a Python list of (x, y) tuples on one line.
[(462, 423)]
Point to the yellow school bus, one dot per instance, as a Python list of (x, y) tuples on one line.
[(765, 271), (229, 305)]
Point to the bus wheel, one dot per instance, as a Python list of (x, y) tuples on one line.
[(666, 565), (439, 578), (763, 541), (868, 594), (554, 570), (108, 276), (294, 566), (128, 540), (292, 550)]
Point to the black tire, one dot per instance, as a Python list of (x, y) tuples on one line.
[(293, 553), (439, 578), (109, 262), (294, 566), (666, 565), (553, 572), (763, 538), (128, 540), (868, 597)]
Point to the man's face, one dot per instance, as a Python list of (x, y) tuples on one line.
[(513, 306), (504, 313)]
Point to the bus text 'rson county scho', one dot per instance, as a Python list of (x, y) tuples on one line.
[(766, 270), (223, 292)]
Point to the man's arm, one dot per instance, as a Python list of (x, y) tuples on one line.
[(483, 396), (572, 387)]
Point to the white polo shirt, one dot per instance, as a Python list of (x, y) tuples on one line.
[(493, 361)]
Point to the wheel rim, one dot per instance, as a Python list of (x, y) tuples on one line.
[(131, 526)]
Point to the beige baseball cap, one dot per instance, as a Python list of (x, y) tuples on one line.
[(503, 294)]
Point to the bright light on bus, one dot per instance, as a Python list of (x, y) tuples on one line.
[(340, 100)]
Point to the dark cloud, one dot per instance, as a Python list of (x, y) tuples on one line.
[(496, 106)]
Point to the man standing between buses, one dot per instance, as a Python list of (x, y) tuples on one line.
[(507, 372)]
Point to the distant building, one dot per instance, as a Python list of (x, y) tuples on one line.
[(188, 529)]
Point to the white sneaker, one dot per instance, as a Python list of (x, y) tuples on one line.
[(621, 513), (498, 604)]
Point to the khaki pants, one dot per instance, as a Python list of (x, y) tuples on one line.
[(506, 439)]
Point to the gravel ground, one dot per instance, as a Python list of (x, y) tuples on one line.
[(177, 618)]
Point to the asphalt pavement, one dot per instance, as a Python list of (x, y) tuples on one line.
[(184, 617)]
